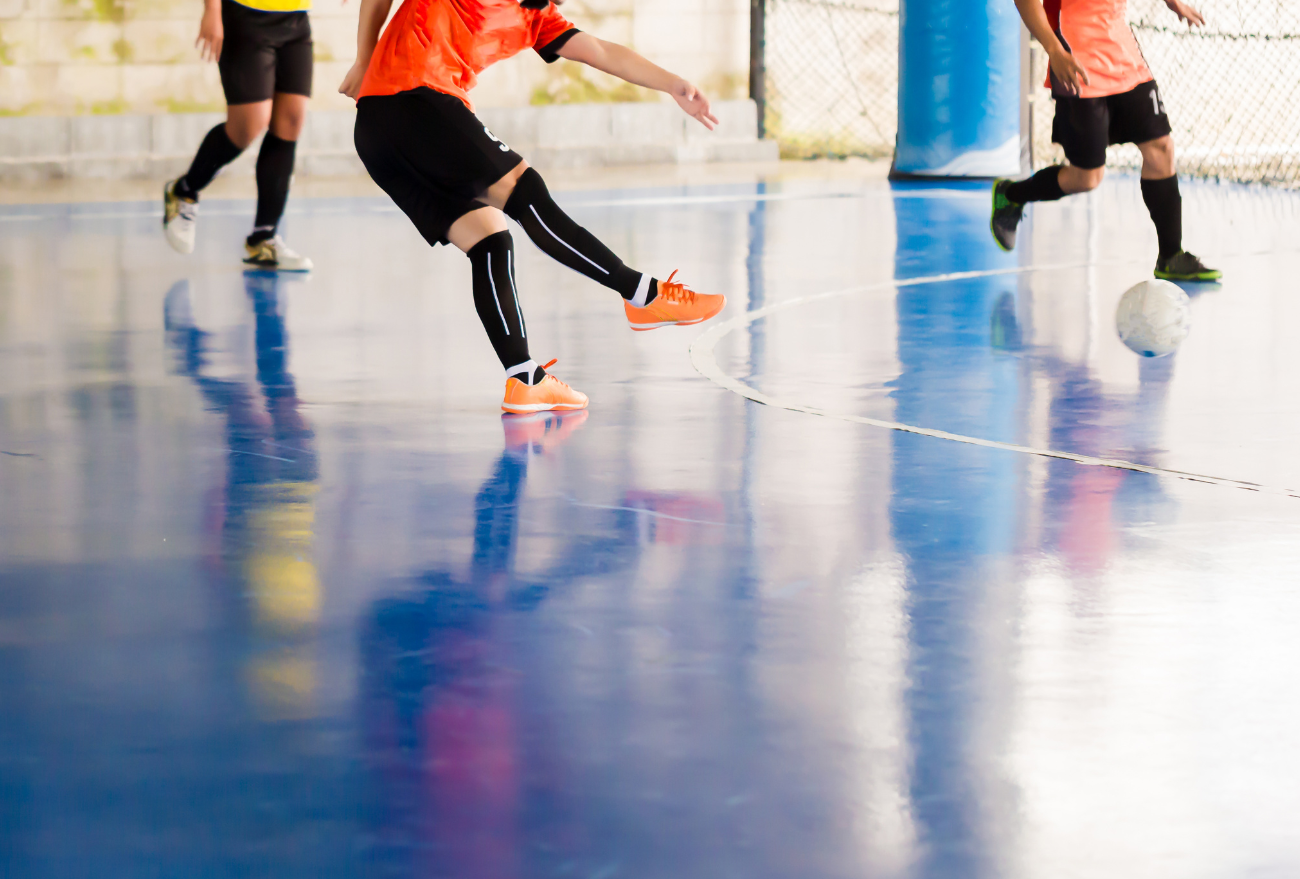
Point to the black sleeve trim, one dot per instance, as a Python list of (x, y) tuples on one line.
[(551, 51)]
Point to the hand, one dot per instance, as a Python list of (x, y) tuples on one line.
[(211, 34), (1185, 12), (693, 103), (1069, 72), (351, 84)]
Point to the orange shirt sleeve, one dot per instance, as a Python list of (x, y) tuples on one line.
[(552, 30)]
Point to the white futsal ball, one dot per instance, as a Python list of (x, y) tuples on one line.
[(1153, 318)]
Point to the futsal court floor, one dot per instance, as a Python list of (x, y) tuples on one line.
[(282, 594)]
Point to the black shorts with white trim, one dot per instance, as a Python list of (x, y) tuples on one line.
[(1084, 127)]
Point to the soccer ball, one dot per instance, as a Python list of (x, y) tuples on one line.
[(1153, 318)]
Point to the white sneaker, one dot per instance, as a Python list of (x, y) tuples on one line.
[(275, 255), (179, 218)]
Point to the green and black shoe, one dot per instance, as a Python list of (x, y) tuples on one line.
[(1006, 216), (1183, 266)]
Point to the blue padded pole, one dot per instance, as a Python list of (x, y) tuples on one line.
[(958, 88)]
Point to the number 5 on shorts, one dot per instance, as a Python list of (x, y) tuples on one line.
[(496, 140)]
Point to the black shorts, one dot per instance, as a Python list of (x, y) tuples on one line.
[(1084, 127), (431, 155), (264, 53)]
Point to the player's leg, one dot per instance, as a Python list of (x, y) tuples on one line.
[(648, 302), (293, 76), (396, 140), (1140, 118), (1080, 126), (247, 68), (484, 237)]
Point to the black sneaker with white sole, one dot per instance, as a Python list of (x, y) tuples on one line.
[(1184, 266)]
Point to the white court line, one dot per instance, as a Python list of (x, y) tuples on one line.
[(649, 201), (705, 361)]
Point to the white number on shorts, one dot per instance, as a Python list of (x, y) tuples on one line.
[(1155, 102), (492, 137)]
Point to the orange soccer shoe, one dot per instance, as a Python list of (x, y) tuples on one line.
[(676, 305), (549, 393)]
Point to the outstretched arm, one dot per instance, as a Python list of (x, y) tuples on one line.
[(627, 65), (369, 23), (1068, 71)]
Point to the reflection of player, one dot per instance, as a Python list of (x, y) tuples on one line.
[(1088, 504), (1105, 94), (268, 511), (439, 711)]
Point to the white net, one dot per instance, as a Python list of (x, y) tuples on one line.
[(1232, 88)]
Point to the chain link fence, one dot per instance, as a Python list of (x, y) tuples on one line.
[(832, 77), (1232, 88)]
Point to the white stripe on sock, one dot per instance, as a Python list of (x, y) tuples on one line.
[(494, 296), (510, 273), (642, 291), (561, 240), (528, 368)]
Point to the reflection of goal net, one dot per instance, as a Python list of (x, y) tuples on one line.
[(1232, 89), (832, 83)]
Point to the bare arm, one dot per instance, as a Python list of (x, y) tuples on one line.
[(1068, 71), (630, 67), (369, 23), (211, 32)]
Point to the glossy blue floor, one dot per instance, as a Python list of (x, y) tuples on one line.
[(282, 594)]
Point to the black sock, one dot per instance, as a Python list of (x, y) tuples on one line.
[(1043, 186), (563, 240), (497, 303), (274, 170), (1165, 203), (216, 152)]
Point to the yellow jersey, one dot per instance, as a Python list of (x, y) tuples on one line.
[(276, 5)]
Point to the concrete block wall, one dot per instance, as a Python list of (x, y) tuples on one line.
[(570, 136), (112, 57)]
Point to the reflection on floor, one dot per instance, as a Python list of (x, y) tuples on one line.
[(283, 594)]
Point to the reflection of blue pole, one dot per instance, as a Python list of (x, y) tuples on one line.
[(953, 510), (958, 88)]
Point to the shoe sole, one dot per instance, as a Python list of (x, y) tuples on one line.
[(525, 408), (1203, 276), (272, 267), (994, 200), (641, 328)]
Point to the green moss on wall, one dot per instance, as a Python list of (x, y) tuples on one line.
[(108, 108), (171, 105), (100, 10), (123, 50)]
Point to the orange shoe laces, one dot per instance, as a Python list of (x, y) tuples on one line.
[(676, 292), (546, 366)]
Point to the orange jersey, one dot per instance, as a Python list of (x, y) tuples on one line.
[(446, 44), (1097, 34)]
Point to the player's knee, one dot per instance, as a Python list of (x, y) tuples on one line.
[(1158, 156), (1090, 178), (473, 227), (244, 127), (287, 121), (528, 189)]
